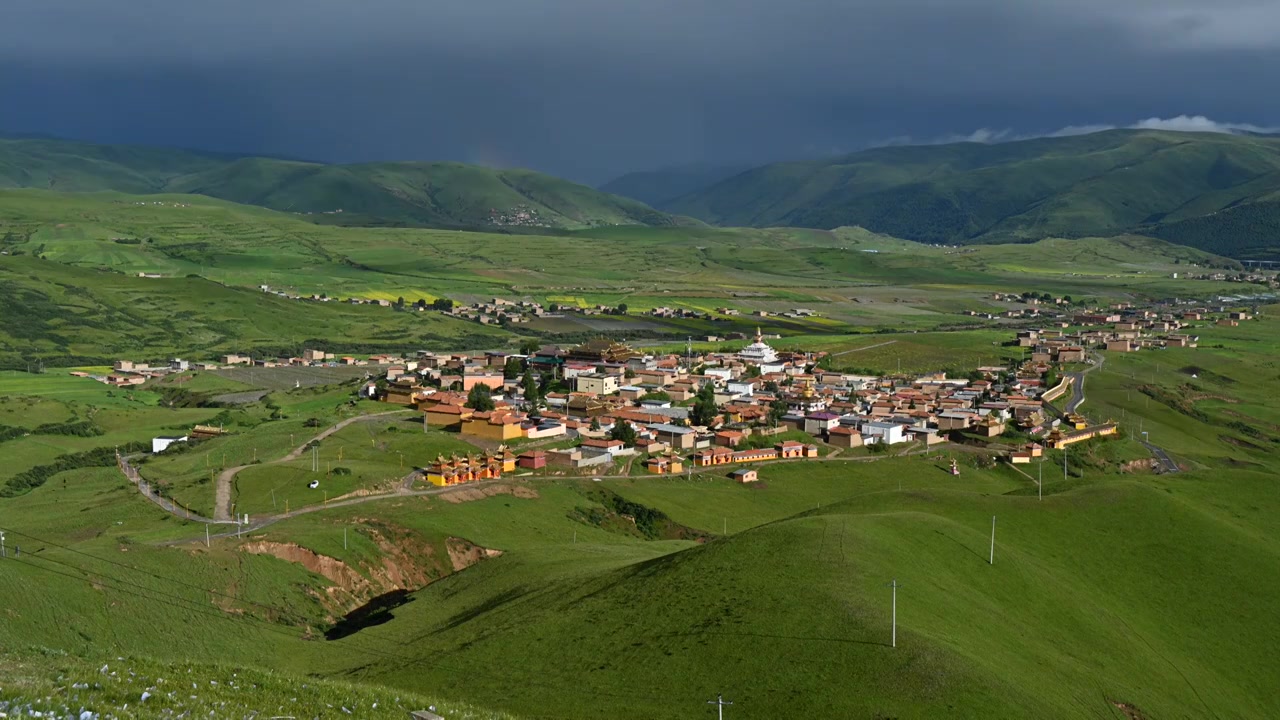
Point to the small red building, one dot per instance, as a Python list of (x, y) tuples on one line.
[(532, 460)]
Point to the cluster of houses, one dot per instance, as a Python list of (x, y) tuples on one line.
[(1122, 328), (126, 373), (759, 392), (518, 216)]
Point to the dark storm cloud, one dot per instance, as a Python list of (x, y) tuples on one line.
[(588, 88)]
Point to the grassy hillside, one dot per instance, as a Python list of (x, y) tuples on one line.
[(656, 187), (403, 194), (1120, 594), (1100, 184), (68, 316), (72, 263), (56, 684)]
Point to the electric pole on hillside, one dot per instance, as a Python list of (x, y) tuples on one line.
[(991, 559), (720, 702), (1040, 482), (895, 585), (2, 550)]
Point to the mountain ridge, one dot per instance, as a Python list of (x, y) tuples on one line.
[(430, 194), (1161, 183)]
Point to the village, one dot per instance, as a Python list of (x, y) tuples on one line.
[(675, 413), (602, 405)]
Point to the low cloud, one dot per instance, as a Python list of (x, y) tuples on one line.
[(1199, 123), (1180, 123)]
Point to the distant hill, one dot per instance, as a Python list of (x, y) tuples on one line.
[(1217, 192), (434, 194), (655, 187)]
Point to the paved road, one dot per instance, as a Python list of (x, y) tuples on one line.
[(1077, 384), (1167, 463), (222, 496)]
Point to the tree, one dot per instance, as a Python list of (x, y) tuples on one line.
[(622, 308), (777, 409), (703, 411), (511, 369), (529, 346), (532, 396), (628, 373), (622, 430), (421, 304), (480, 399), (595, 424), (442, 304), (400, 303)]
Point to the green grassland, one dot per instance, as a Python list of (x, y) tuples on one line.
[(378, 455), (640, 596), (1089, 598), (1211, 191), (55, 683), (80, 305), (72, 316)]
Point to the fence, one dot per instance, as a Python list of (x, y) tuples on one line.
[(1058, 390), (165, 504)]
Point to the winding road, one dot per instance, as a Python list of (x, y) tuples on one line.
[(1077, 383), (222, 496), (1166, 463)]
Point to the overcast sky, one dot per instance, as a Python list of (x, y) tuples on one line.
[(593, 88)]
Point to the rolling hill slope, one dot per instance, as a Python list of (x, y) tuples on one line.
[(1211, 191), (434, 194), (656, 187)]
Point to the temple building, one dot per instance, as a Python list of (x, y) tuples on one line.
[(807, 400), (455, 470), (602, 350), (758, 352)]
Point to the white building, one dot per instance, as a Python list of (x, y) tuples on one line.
[(887, 433), (160, 444), (758, 353), (596, 383)]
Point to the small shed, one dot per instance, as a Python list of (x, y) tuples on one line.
[(745, 476), (532, 460)]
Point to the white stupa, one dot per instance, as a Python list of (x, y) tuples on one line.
[(758, 352)]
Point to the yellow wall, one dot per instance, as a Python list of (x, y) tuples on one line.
[(485, 429)]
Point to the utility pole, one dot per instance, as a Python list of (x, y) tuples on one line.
[(1040, 482), (206, 534), (720, 702), (895, 585), (991, 559), (1064, 463), (2, 550), (344, 537)]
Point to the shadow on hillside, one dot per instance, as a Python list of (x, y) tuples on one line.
[(968, 549), (375, 612)]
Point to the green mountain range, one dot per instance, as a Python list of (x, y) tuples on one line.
[(1216, 192), (434, 194), (656, 187)]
